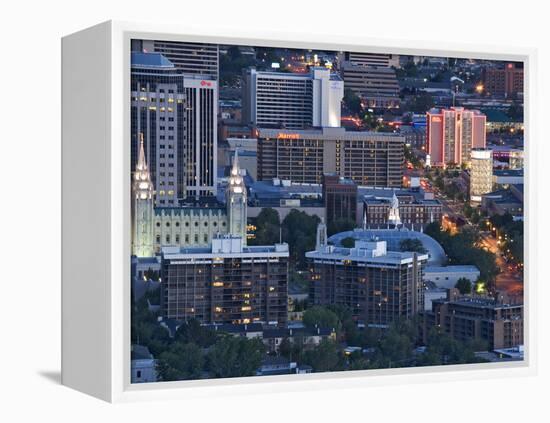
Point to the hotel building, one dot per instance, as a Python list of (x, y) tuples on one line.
[(366, 158), (452, 134), (292, 100), (377, 285)]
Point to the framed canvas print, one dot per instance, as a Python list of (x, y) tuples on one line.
[(290, 212)]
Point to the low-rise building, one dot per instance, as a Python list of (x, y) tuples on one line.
[(504, 201), (143, 365), (466, 318), (417, 208), (448, 276)]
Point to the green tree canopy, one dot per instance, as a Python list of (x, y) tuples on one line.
[(179, 362), (464, 285), (235, 357), (321, 317)]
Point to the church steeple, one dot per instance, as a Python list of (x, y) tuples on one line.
[(236, 200), (142, 219)]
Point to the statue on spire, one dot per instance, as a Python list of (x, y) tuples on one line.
[(393, 215)]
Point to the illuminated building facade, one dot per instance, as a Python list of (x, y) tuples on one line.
[(366, 158), (177, 115), (451, 135), (481, 173), (504, 81), (292, 100), (377, 285)]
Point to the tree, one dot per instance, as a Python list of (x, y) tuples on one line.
[(180, 362), (193, 331), (413, 245), (299, 231), (324, 357), (352, 101), (268, 227), (235, 357), (464, 285), (319, 316), (421, 103)]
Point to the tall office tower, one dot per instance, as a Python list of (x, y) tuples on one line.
[(142, 216), (366, 158), (201, 94), (158, 112), (189, 57), (292, 100), (377, 285), (177, 114), (452, 133), (340, 199), (504, 81), (369, 59), (481, 173)]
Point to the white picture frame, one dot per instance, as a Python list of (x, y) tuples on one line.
[(96, 208)]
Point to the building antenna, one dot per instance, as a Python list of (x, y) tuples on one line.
[(280, 234)]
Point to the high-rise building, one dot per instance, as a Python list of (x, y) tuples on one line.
[(495, 321), (504, 81), (158, 113), (201, 146), (366, 158), (177, 114), (340, 199), (452, 133), (377, 285), (370, 81), (369, 59), (227, 282), (292, 100), (192, 58), (481, 173)]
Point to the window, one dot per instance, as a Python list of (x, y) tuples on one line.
[(138, 374)]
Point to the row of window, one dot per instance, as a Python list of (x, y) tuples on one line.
[(177, 224)]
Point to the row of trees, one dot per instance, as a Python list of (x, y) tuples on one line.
[(298, 229), (461, 249), (195, 351), (380, 348)]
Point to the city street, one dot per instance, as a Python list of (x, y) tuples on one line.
[(508, 280)]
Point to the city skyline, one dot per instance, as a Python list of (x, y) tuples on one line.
[(353, 203)]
